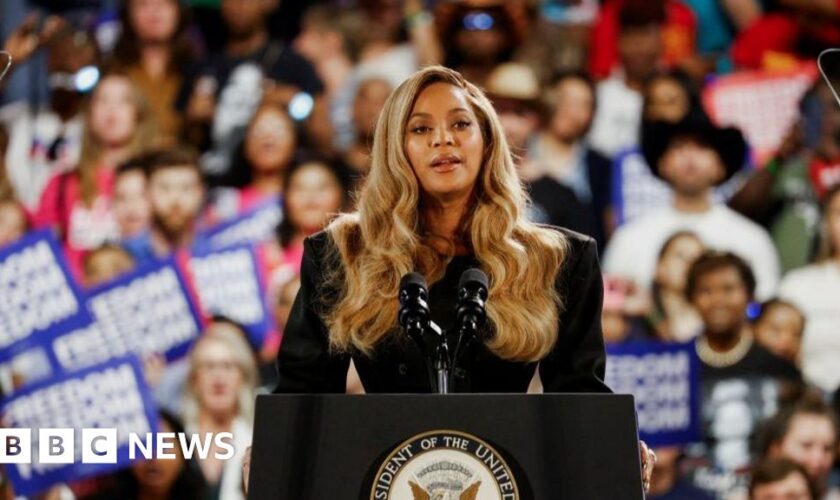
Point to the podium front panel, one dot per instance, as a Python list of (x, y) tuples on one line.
[(556, 446)]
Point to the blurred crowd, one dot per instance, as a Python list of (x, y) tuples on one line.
[(129, 126)]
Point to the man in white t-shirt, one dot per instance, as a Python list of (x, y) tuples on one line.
[(692, 156)]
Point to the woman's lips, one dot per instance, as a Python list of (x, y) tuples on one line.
[(446, 163)]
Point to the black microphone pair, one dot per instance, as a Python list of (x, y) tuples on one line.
[(415, 319)]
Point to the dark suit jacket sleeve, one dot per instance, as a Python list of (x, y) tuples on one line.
[(578, 361), (304, 362)]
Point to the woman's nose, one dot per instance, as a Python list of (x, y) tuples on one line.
[(442, 136)]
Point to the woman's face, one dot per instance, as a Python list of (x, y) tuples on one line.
[(672, 268), (270, 142), (113, 113), (154, 21), (131, 205), (443, 142), (573, 112), (218, 378), (832, 223), (314, 194), (810, 443), (667, 101), (721, 298), (155, 476)]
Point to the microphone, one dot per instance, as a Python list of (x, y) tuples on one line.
[(471, 312), (414, 307), (415, 318)]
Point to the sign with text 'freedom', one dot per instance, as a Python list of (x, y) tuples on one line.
[(109, 401), (665, 382), (229, 283), (38, 296), (147, 311)]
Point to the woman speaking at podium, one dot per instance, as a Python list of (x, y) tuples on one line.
[(442, 196)]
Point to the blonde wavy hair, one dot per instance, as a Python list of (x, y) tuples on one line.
[(384, 239)]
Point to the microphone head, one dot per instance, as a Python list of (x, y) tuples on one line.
[(472, 277), (413, 279)]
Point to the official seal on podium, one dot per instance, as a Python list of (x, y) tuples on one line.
[(444, 465)]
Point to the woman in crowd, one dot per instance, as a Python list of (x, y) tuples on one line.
[(814, 290), (315, 191), (673, 317), (131, 202), (77, 203), (561, 151), (267, 151), (157, 478), (153, 50), (779, 478), (806, 433), (219, 397)]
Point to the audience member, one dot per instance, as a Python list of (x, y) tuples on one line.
[(814, 290), (618, 114), (131, 203), (780, 479), (673, 316), (779, 327), (176, 195), (369, 101), (154, 50), (692, 156), (560, 151), (806, 433), (515, 93), (221, 94), (741, 381), (267, 150), (105, 263), (219, 397), (47, 139), (77, 203), (159, 478)]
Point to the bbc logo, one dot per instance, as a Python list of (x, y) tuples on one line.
[(58, 446)]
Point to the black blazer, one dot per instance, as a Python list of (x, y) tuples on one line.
[(576, 364)]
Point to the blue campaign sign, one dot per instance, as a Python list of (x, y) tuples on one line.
[(665, 381), (111, 395), (228, 282), (38, 296), (257, 225), (147, 311)]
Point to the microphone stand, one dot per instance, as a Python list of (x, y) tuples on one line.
[(442, 359)]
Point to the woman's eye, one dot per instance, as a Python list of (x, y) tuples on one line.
[(462, 124), (420, 129)]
